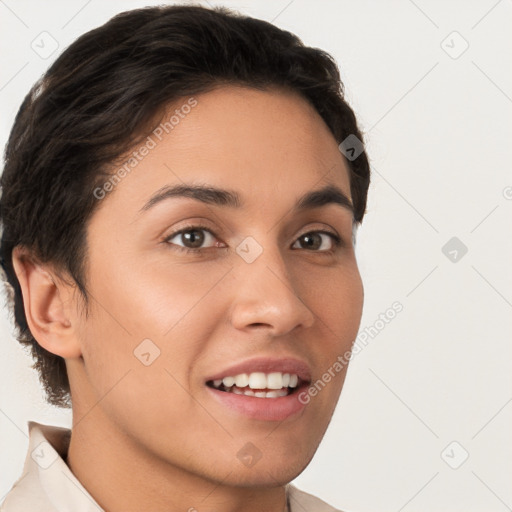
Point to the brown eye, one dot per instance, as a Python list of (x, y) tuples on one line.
[(192, 237), (316, 241)]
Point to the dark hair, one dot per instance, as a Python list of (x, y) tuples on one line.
[(100, 97)]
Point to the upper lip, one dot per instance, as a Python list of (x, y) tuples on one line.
[(266, 365)]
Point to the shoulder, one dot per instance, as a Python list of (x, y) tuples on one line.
[(43, 461), (301, 501), (26, 495)]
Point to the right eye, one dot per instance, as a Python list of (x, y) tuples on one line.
[(193, 236)]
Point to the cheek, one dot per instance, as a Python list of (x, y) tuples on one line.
[(140, 343), (336, 298), (347, 305), (166, 310), (151, 296), (337, 301)]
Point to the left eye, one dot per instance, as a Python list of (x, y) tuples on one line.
[(313, 240)]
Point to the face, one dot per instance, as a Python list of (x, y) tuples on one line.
[(186, 292)]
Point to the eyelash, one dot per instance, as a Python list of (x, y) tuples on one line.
[(338, 242)]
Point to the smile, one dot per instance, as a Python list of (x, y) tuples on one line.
[(258, 384)]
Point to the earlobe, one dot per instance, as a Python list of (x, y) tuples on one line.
[(46, 301)]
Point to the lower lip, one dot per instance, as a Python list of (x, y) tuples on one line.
[(267, 409)]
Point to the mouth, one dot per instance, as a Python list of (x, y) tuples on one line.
[(259, 384), (263, 389)]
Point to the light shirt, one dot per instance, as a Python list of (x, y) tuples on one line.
[(48, 485)]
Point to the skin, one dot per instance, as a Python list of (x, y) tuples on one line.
[(151, 437)]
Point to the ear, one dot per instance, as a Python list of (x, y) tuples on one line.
[(47, 301)]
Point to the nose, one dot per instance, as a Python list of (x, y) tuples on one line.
[(266, 296)]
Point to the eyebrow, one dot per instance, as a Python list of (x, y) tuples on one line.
[(330, 194)]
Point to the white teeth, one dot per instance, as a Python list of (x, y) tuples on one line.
[(228, 381), (261, 394), (275, 380), (258, 381), (242, 380)]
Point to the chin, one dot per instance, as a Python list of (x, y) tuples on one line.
[(269, 473), (262, 478)]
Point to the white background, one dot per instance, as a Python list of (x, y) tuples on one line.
[(439, 132)]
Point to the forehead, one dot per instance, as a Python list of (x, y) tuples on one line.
[(268, 145)]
